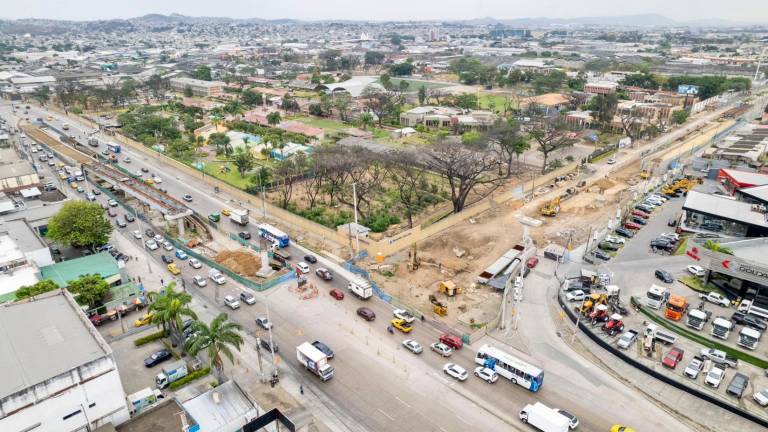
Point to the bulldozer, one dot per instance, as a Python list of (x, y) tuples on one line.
[(449, 288), (550, 208), (438, 307)]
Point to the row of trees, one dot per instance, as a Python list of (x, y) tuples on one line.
[(709, 85)]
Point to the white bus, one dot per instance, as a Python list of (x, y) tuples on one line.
[(510, 367)]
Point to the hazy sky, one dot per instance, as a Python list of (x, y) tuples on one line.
[(742, 10)]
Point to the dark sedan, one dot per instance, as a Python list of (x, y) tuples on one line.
[(310, 259), (749, 321), (664, 276), (267, 346), (601, 255), (625, 232), (157, 358), (325, 349), (366, 313)]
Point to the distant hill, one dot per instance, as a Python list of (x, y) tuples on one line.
[(642, 20)]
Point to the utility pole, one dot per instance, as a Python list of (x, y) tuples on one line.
[(578, 319), (586, 247), (357, 230), (143, 243)]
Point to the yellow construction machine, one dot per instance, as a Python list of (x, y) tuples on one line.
[(591, 302), (438, 307), (449, 288), (550, 208)]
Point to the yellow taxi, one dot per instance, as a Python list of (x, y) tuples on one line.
[(149, 181), (173, 269), (62, 176), (401, 325), (73, 185), (620, 428), (144, 320), (226, 212), (50, 117)]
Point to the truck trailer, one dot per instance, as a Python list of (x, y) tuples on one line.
[(239, 217), (544, 418), (361, 288), (314, 361)]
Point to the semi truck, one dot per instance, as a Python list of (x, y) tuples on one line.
[(721, 328), (171, 373), (239, 217), (656, 296), (748, 337), (544, 418), (314, 361), (676, 307), (697, 318), (361, 288)]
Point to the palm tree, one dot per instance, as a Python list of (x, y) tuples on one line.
[(217, 338), (273, 118), (169, 308)]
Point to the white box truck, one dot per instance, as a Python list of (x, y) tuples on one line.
[(314, 361), (143, 399), (544, 418), (656, 296), (172, 372), (361, 288), (239, 217)]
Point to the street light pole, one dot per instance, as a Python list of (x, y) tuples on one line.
[(357, 230), (146, 252)]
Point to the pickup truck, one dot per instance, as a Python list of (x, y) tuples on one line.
[(694, 367), (719, 357), (404, 315), (627, 339), (715, 298)]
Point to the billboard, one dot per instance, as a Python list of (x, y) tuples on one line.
[(687, 89)]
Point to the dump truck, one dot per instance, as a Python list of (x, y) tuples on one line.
[(171, 373), (314, 361)]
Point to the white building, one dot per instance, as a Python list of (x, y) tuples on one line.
[(57, 374), (16, 269)]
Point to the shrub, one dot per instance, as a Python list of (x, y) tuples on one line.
[(149, 338), (189, 378)]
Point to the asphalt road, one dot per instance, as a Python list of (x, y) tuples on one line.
[(380, 385)]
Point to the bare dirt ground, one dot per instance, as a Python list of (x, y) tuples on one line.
[(482, 240), (241, 262)]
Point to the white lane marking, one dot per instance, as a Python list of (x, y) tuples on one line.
[(459, 417), (402, 402), (387, 415)]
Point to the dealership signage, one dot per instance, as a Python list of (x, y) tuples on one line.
[(731, 265)]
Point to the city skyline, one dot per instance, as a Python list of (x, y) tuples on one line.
[(746, 11)]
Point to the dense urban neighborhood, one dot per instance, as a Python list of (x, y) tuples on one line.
[(242, 224)]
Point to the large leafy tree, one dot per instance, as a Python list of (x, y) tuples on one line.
[(252, 98), (89, 289), (221, 142), (243, 160), (202, 72), (217, 338), (273, 118), (169, 308), (80, 224)]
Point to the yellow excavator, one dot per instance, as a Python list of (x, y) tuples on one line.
[(594, 299), (438, 307), (550, 208)]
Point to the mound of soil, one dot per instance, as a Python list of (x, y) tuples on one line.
[(241, 262)]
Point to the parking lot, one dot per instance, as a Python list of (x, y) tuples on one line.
[(633, 270)]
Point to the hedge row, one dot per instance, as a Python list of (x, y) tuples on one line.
[(149, 338), (189, 378), (741, 355)]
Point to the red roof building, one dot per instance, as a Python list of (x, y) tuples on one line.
[(734, 180)]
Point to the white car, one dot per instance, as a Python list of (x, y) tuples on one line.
[(127, 159), (442, 349), (303, 267), (151, 244), (136, 234), (264, 323), (404, 315), (455, 371), (661, 198), (696, 270), (167, 245), (577, 295), (761, 397), (112, 203), (157, 179), (158, 238), (139, 173), (671, 236), (218, 278), (413, 346), (195, 263), (486, 374), (199, 281), (615, 239), (715, 376), (611, 161), (232, 302)]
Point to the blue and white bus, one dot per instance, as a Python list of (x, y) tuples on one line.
[(277, 237), (510, 367), (113, 147)]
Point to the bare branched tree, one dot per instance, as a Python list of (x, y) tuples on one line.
[(407, 174), (551, 134)]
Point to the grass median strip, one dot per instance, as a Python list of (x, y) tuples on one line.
[(741, 355)]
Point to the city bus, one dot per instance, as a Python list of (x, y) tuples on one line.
[(510, 367), (277, 237), (113, 147)]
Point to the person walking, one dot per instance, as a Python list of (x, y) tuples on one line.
[(301, 389)]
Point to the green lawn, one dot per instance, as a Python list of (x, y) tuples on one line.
[(232, 177), (327, 124), (484, 100)]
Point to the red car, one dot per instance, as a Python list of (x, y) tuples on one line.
[(452, 341), (641, 214), (98, 320), (673, 357), (532, 262), (632, 225), (337, 294)]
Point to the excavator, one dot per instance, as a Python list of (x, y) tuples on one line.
[(438, 307), (550, 208)]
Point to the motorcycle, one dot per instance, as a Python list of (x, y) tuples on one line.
[(390, 330)]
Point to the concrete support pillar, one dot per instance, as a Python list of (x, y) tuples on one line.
[(181, 226)]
